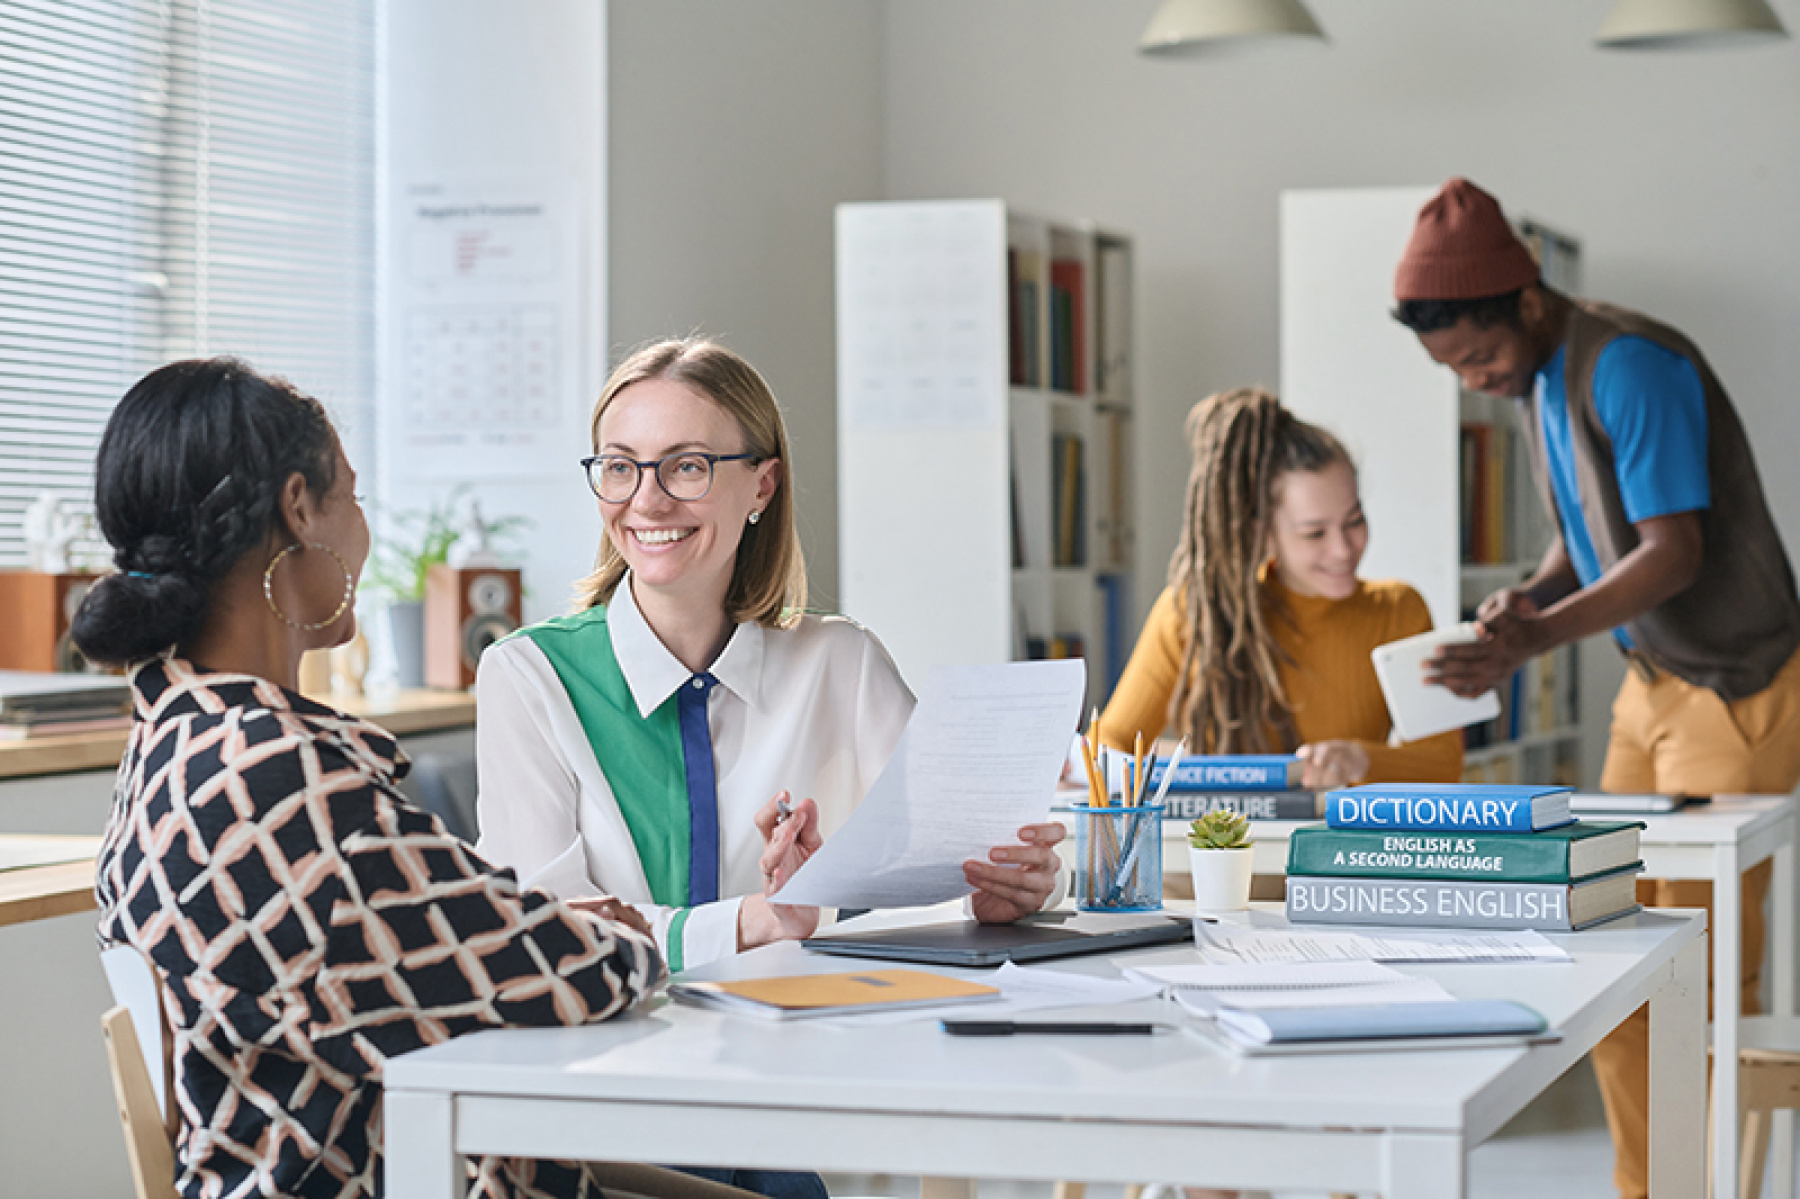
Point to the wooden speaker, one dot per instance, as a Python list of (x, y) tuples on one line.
[(465, 612), (36, 610)]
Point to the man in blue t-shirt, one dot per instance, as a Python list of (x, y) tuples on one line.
[(1663, 539)]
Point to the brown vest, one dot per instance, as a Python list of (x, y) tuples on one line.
[(1735, 627)]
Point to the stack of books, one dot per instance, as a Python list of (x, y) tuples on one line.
[(1461, 856), (39, 704), (1256, 786)]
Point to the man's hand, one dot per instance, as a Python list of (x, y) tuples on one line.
[(1016, 879), (1507, 641), (1516, 602)]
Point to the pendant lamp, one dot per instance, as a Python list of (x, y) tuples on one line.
[(1196, 26), (1689, 24)]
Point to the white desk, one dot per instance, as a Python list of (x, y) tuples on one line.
[(1719, 840), (679, 1084)]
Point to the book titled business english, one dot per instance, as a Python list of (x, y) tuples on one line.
[(1445, 903), (1558, 855), (1449, 807)]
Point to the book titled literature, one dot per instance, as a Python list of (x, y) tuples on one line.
[(1230, 772), (1558, 855), (1444, 903), (1449, 807), (1252, 805)]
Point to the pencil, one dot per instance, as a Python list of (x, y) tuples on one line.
[(1096, 791), (1137, 770), (1169, 770)]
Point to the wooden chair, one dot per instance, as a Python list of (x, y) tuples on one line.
[(146, 1107), (1768, 1081)]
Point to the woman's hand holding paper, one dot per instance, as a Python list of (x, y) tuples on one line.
[(1016, 879)]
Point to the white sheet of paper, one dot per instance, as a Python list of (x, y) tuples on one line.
[(1217, 943), (979, 759)]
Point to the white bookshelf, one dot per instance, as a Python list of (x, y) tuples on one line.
[(945, 422), (1348, 365)]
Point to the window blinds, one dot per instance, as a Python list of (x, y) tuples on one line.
[(181, 178), (269, 181), (79, 313)]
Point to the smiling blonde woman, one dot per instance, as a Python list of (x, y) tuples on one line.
[(688, 736)]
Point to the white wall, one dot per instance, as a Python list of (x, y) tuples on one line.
[(1681, 172), (735, 131), (488, 94)]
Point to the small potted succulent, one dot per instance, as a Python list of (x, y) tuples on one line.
[(1220, 858)]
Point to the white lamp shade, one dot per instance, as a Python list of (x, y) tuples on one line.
[(1186, 26), (1688, 24)]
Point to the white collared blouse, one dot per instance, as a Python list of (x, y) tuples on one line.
[(815, 710)]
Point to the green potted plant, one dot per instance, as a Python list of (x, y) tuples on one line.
[(1220, 859), (412, 541)]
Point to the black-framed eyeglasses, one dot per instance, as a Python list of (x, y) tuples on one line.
[(686, 476)]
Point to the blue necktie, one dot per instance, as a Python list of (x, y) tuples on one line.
[(703, 791)]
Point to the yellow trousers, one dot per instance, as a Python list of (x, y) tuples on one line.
[(1671, 736)]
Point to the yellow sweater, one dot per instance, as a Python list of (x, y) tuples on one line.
[(1330, 683)]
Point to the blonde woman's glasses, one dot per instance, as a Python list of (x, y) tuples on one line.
[(686, 476)]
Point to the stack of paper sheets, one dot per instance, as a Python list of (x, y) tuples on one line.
[(1206, 989)]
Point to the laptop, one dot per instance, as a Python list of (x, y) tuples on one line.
[(1033, 939)]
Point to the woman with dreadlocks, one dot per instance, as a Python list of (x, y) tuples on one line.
[(1260, 643)]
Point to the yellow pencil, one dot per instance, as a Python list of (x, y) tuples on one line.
[(1096, 792)]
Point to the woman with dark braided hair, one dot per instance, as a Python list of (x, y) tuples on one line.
[(1260, 643), (304, 921)]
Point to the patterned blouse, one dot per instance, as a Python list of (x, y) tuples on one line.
[(307, 923)]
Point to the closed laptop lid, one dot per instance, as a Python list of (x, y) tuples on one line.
[(1047, 935)]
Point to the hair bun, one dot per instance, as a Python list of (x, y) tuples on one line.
[(129, 617)]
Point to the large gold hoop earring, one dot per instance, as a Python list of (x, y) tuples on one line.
[(283, 617)]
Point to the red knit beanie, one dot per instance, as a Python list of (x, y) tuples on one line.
[(1462, 249)]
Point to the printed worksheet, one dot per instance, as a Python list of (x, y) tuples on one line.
[(979, 759)]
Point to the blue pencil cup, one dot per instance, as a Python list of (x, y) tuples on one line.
[(1118, 858)]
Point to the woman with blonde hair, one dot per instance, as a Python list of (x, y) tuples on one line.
[(650, 745), (1260, 642)]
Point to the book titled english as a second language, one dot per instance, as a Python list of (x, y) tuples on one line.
[(1447, 807)]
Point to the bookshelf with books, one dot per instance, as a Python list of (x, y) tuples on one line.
[(984, 434), (1444, 472)]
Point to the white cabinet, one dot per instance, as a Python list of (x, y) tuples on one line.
[(984, 434)]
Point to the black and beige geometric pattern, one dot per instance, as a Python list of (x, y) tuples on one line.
[(307, 922)]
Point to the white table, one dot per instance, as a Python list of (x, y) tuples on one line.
[(684, 1085), (1714, 841)]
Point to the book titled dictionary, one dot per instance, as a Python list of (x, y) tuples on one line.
[(797, 995), (1558, 855), (1444, 903), (1449, 807), (1229, 772), (1252, 805)]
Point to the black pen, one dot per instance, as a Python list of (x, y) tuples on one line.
[(1007, 1028)]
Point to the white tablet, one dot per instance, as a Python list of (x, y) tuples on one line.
[(1421, 709)]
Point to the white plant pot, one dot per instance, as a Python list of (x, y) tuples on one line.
[(1221, 878)]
